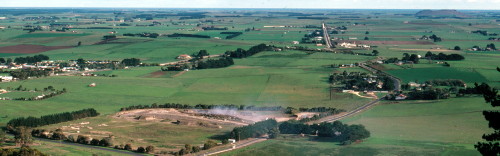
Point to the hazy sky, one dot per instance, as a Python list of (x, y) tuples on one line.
[(334, 4)]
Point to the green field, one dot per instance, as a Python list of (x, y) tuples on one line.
[(289, 78), (296, 80), (445, 127)]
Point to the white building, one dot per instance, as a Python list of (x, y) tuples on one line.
[(6, 78)]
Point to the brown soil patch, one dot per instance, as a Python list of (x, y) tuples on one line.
[(241, 67), (30, 49), (156, 74), (393, 42)]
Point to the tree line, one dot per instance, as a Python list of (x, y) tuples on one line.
[(442, 56), (232, 34), (215, 63), (31, 59), (150, 35), (241, 53), (23, 74), (23, 151), (131, 61), (188, 35), (288, 110), (446, 82), (255, 130), (51, 119), (340, 132)]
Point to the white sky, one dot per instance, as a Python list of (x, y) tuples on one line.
[(326, 4)]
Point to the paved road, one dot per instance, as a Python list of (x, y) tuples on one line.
[(357, 110), (326, 36), (397, 81), (117, 152)]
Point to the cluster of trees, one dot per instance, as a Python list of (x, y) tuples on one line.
[(413, 58), (311, 37), (446, 82), (429, 94), (140, 149), (45, 96), (213, 28), (188, 35), (233, 34), (31, 59), (145, 34), (493, 39), (491, 146), (432, 37), (319, 116), (258, 129), (52, 119), (361, 81), (490, 46), (215, 63), (24, 150), (201, 54), (109, 37), (291, 110), (340, 132), (29, 73), (241, 53), (174, 68), (193, 149), (131, 61), (202, 106), (442, 56), (482, 32), (477, 89)]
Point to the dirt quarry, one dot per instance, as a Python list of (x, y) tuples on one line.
[(206, 118)]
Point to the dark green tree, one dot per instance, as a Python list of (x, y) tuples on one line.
[(457, 48), (375, 52), (492, 146)]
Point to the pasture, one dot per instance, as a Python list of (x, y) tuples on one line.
[(445, 127)]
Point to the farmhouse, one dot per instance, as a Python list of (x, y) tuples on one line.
[(6, 78), (295, 42), (401, 97), (3, 91), (184, 57), (92, 85), (348, 45)]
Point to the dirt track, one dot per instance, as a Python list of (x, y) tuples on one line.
[(30, 49)]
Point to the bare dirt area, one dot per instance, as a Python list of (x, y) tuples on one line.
[(213, 118), (30, 49), (240, 67), (393, 42), (156, 74)]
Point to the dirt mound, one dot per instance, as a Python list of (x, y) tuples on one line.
[(30, 49)]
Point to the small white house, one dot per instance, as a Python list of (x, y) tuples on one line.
[(6, 78), (401, 97), (295, 42)]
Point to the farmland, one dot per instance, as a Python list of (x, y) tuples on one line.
[(289, 74), (410, 128)]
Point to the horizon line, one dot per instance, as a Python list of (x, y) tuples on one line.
[(47, 7)]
